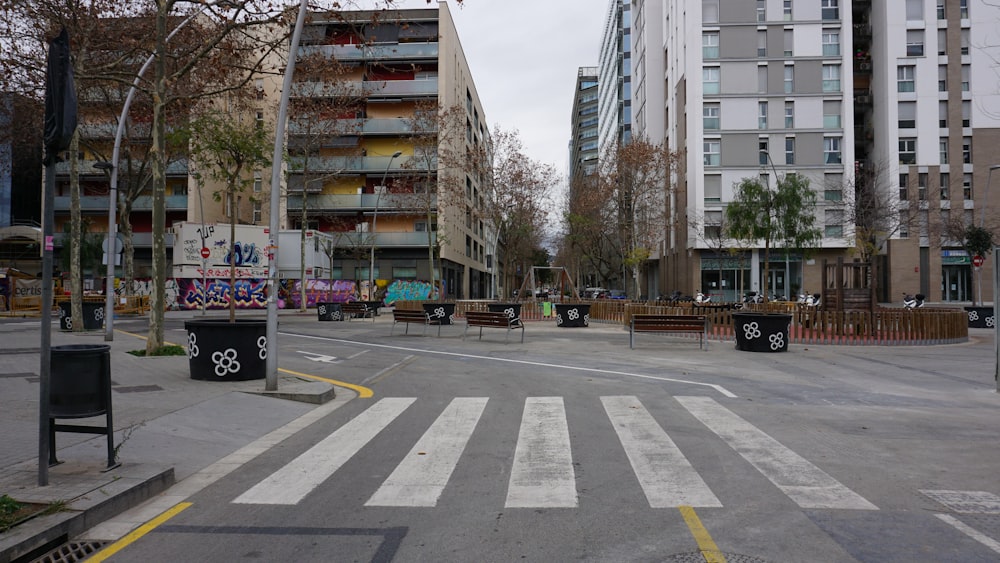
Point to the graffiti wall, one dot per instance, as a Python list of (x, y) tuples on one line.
[(316, 291), (250, 294), (407, 290), (145, 287)]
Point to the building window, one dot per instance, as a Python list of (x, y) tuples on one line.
[(943, 148), (762, 10), (965, 78), (762, 79), (404, 272), (710, 112), (830, 9), (940, 10), (834, 223), (914, 10), (831, 150), (786, 10), (942, 39), (905, 78), (762, 151), (967, 187), (942, 114), (789, 115), (789, 41), (963, 9), (831, 44), (180, 188), (908, 151), (713, 188), (713, 225), (942, 78), (257, 212), (833, 187), (831, 78), (945, 186), (964, 41), (831, 114), (711, 149), (259, 88), (260, 120), (966, 113), (789, 150), (914, 42), (761, 115), (761, 43), (710, 11), (907, 117), (789, 79), (904, 186), (710, 79), (922, 186), (258, 183), (710, 45), (904, 225), (967, 150)]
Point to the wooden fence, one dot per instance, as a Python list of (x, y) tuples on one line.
[(883, 326)]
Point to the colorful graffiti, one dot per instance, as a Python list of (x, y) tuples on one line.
[(249, 294), (247, 254), (317, 291), (407, 290)]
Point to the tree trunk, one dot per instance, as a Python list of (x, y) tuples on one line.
[(157, 151), (128, 249), (75, 237), (234, 207), (302, 242)]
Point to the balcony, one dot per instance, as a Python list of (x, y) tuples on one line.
[(143, 203), (372, 126), (359, 164), (362, 202), (398, 51), (86, 168), (367, 89), (410, 239), (139, 240)]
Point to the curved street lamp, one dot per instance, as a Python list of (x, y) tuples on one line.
[(371, 265)]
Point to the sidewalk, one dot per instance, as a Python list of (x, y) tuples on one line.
[(171, 428)]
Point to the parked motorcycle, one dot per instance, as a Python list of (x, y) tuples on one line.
[(753, 297), (913, 301), (702, 299), (809, 299)]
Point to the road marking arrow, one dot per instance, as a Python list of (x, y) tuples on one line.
[(320, 357)]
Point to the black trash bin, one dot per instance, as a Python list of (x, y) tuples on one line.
[(329, 311), (80, 387), (93, 315)]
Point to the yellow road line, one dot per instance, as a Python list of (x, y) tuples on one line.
[(134, 536), (363, 392), (165, 343), (706, 544)]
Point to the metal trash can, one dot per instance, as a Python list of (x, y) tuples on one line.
[(80, 387)]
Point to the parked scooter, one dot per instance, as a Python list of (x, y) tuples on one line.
[(913, 301), (702, 299), (753, 297), (809, 299)]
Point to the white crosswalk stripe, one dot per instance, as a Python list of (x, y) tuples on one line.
[(666, 476), (804, 483), (293, 482), (422, 475), (542, 473)]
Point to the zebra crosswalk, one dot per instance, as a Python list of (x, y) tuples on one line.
[(541, 471)]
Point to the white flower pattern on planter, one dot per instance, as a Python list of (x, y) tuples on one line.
[(973, 316), (262, 347), (192, 345), (99, 314), (751, 330), (777, 340), (225, 362), (991, 321)]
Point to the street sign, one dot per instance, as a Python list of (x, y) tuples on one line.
[(978, 260), (205, 252)]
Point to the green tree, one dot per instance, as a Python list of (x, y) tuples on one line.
[(978, 241), (784, 216), (231, 148)]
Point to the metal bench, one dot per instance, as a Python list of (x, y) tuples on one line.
[(408, 316), (491, 319), (697, 324), (357, 309)]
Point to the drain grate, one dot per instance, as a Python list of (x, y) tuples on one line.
[(697, 557), (71, 552)]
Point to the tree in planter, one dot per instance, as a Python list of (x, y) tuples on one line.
[(978, 241), (231, 148), (783, 216)]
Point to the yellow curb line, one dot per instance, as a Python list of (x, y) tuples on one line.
[(139, 532), (706, 544), (363, 392)]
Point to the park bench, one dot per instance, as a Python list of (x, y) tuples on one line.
[(408, 316), (697, 324), (491, 319), (357, 309)]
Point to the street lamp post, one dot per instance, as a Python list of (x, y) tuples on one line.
[(378, 197), (109, 292), (496, 252), (775, 170), (982, 224)]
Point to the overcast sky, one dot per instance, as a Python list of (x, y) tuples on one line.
[(524, 56)]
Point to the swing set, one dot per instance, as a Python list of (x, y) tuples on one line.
[(564, 282)]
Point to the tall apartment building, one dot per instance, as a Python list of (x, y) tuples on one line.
[(584, 127), (804, 87), (402, 100), (615, 77)]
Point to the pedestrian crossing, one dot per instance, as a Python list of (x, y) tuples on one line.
[(541, 471)]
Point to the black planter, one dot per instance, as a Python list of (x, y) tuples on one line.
[(981, 317), (761, 332), (443, 313), (329, 311), (572, 314), (513, 310), (222, 351), (93, 315)]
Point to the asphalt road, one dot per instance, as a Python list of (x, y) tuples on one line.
[(573, 447)]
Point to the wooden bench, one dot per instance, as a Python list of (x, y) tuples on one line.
[(357, 309), (698, 324), (413, 316), (491, 319)]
